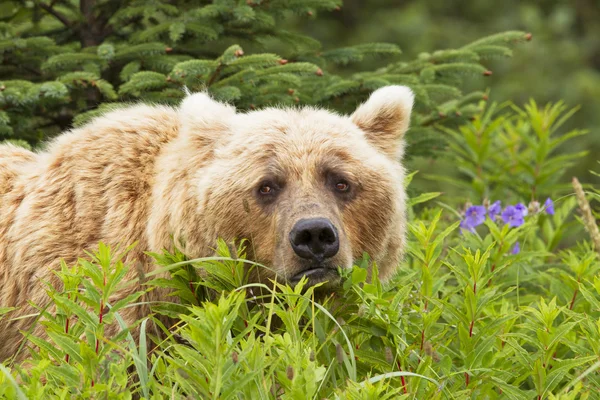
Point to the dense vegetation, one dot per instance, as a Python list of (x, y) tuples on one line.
[(499, 294)]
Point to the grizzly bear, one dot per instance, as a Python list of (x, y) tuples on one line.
[(310, 190)]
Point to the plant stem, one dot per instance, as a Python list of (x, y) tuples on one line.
[(471, 328), (574, 296), (404, 388), (473, 320), (67, 331), (494, 264), (423, 330), (100, 314)]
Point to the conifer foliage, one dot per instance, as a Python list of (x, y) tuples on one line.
[(64, 61)]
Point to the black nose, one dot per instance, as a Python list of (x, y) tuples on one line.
[(315, 239)]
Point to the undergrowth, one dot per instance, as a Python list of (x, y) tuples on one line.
[(490, 302)]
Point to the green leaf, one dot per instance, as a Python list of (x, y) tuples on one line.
[(511, 391), (561, 368), (13, 383), (67, 344), (423, 197)]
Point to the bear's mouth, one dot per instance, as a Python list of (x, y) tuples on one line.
[(317, 275)]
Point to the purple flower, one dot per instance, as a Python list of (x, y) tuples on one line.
[(522, 209), (512, 216), (516, 249), (474, 216), (464, 225), (494, 209), (549, 205)]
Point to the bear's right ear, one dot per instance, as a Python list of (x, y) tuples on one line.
[(385, 117), (205, 117)]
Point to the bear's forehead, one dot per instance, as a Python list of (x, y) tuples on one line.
[(288, 142), (296, 134), (287, 152), (298, 125)]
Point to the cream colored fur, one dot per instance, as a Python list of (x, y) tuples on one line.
[(152, 174)]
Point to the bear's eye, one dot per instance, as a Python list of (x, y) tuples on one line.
[(265, 189), (268, 190), (342, 186)]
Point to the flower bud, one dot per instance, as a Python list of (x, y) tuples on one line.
[(339, 353), (389, 357), (534, 207)]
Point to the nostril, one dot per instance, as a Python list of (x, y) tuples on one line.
[(327, 236), (303, 237), (314, 238)]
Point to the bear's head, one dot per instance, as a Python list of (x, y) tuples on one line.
[(310, 190)]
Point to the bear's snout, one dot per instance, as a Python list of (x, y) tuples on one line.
[(315, 239)]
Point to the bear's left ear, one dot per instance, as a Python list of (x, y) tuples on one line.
[(385, 117), (205, 117)]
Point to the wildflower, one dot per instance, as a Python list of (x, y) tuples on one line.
[(494, 209), (549, 205), (464, 225), (474, 216), (512, 216), (516, 249), (521, 207)]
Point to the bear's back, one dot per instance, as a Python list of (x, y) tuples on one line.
[(90, 184), (12, 161)]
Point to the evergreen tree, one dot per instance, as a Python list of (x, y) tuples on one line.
[(65, 61)]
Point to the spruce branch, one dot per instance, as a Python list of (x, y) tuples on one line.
[(28, 69), (215, 74), (56, 14)]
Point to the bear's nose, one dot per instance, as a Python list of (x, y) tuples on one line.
[(315, 238)]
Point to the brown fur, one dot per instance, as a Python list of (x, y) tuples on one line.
[(150, 174)]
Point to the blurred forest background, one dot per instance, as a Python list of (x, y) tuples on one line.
[(561, 62)]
